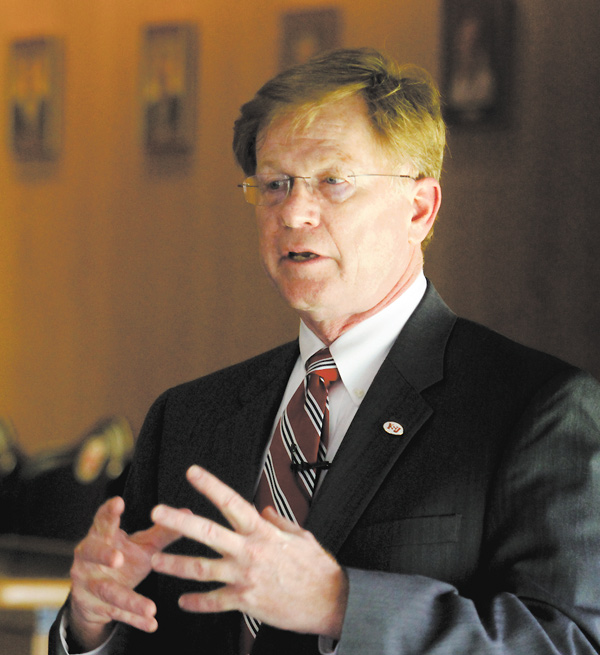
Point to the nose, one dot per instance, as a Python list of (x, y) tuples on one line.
[(301, 208)]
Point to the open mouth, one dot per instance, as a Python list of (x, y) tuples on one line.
[(302, 256)]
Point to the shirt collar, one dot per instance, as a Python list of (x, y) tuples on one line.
[(360, 352)]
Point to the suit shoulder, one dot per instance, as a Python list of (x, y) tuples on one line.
[(177, 409), (498, 356), (237, 375)]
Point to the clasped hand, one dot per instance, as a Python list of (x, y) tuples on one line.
[(270, 568)]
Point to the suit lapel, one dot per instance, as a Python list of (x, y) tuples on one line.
[(236, 451), (368, 452), (366, 455)]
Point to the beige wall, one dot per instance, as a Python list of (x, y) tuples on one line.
[(120, 276)]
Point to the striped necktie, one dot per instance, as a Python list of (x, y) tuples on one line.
[(297, 453)]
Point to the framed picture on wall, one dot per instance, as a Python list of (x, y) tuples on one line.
[(306, 33), (168, 87), (478, 41), (35, 79)]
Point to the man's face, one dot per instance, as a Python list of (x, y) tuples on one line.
[(337, 263)]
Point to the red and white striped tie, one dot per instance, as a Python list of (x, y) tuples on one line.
[(297, 453)]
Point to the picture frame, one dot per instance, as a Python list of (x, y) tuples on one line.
[(35, 81), (168, 87), (305, 33), (478, 44)]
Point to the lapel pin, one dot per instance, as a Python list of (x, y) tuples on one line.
[(391, 427)]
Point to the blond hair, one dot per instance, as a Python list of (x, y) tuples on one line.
[(403, 105)]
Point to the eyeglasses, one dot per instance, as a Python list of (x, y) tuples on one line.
[(270, 190)]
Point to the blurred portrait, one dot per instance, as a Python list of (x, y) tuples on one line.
[(34, 98), (306, 33), (476, 61), (168, 82)]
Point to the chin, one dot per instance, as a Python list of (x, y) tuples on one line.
[(306, 306), (305, 296)]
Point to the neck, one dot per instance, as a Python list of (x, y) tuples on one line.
[(330, 329)]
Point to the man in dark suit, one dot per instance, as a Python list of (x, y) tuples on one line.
[(457, 511)]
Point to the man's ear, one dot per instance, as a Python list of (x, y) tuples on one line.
[(427, 198)]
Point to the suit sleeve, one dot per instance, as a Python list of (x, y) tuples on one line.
[(538, 586)]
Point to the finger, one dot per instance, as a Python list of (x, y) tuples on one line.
[(201, 569), (145, 621), (101, 614), (157, 537), (280, 522), (213, 535), (96, 551), (98, 546), (147, 624), (241, 514), (108, 517), (101, 600), (122, 601), (218, 600)]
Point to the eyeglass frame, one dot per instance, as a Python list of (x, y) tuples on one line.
[(290, 185)]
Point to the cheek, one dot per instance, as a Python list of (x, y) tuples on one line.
[(380, 253), (266, 235)]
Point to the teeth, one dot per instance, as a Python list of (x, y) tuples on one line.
[(301, 256)]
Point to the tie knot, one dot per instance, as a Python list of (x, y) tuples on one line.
[(323, 365)]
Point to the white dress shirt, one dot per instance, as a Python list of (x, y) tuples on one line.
[(358, 354)]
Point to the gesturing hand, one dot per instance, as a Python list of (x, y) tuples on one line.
[(108, 565), (272, 569)]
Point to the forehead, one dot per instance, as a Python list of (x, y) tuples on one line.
[(339, 132)]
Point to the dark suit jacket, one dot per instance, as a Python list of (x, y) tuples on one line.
[(475, 531)]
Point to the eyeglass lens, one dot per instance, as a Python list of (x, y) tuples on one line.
[(269, 190)]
